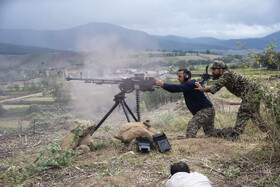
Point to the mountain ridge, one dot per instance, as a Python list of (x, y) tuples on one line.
[(106, 36)]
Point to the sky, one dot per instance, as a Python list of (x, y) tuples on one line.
[(222, 19)]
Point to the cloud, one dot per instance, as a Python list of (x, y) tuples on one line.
[(192, 18)]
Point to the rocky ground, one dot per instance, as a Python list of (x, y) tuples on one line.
[(245, 162)]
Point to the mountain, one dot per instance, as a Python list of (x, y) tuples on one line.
[(86, 37), (11, 49), (104, 36)]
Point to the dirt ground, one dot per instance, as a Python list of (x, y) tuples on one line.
[(245, 162)]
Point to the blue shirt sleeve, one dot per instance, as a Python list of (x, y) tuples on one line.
[(177, 87)]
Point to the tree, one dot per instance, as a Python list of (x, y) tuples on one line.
[(272, 58), (269, 94), (16, 87), (182, 64), (61, 93), (1, 110)]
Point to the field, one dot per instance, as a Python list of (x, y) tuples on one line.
[(17, 107), (225, 163), (12, 123), (33, 127)]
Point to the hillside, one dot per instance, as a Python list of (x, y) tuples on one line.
[(11, 49), (104, 36), (13, 67), (225, 163), (39, 61)]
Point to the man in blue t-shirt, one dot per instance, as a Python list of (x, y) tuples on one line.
[(198, 104)]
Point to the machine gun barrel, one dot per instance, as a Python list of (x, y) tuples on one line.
[(97, 81), (126, 85)]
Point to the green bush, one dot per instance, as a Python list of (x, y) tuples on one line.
[(61, 93), (44, 119), (33, 108), (159, 97), (12, 173), (172, 120), (15, 111), (179, 124), (271, 180), (270, 95), (232, 172), (53, 156), (50, 157), (1, 110)]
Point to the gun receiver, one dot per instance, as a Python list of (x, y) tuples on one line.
[(205, 77), (138, 82)]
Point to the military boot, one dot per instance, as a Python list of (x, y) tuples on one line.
[(224, 132), (234, 136)]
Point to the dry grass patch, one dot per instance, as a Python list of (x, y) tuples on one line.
[(39, 99), (6, 107)]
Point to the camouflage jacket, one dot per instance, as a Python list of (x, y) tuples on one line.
[(237, 84)]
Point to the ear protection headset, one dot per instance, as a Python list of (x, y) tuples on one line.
[(188, 74)]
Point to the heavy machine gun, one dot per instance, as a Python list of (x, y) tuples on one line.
[(127, 85), (138, 83)]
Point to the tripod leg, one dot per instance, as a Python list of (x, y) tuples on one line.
[(131, 113), (125, 112), (105, 117), (138, 105)]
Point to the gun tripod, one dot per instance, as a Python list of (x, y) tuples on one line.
[(120, 100)]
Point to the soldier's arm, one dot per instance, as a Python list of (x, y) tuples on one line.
[(218, 84), (200, 88)]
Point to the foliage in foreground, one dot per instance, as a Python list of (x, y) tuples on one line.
[(270, 95), (51, 157)]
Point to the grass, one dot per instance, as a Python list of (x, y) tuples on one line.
[(39, 99), (11, 122), (6, 107), (226, 95), (3, 97), (8, 123), (201, 153), (108, 165)]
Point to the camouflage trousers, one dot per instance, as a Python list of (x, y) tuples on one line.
[(249, 110), (203, 118)]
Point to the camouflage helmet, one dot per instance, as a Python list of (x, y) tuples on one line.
[(218, 64)]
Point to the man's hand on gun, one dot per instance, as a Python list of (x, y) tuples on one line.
[(159, 83)]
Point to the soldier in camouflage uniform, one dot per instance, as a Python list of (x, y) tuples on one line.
[(199, 105), (242, 87)]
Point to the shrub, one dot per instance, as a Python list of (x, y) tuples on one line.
[(270, 95), (271, 180), (50, 157), (44, 119), (1, 110), (33, 108), (61, 93), (172, 120), (53, 156), (159, 97)]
